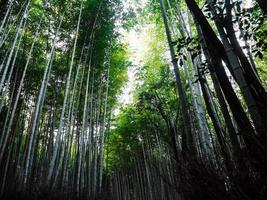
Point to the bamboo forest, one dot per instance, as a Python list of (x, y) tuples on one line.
[(133, 99)]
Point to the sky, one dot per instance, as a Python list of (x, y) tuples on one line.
[(135, 40)]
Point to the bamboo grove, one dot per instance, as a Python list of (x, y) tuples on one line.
[(210, 141), (197, 128), (57, 58)]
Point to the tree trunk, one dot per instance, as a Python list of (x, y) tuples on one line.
[(189, 146)]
